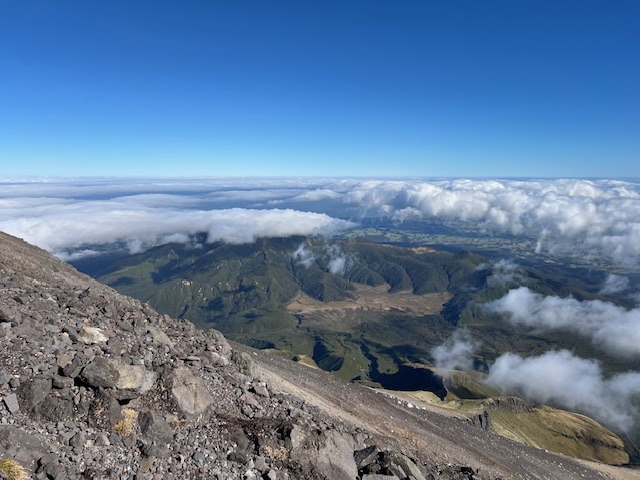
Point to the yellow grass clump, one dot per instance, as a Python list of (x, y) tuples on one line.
[(12, 469), (125, 427)]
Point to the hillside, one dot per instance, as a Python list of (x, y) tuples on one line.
[(98, 385), (358, 309)]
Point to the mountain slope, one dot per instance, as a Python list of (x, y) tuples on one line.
[(98, 385)]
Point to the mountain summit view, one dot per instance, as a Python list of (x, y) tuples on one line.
[(358, 240)]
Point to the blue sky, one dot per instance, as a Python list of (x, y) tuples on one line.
[(338, 88)]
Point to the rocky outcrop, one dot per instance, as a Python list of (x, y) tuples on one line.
[(510, 404)]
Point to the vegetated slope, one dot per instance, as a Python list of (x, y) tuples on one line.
[(359, 309), (94, 384), (247, 291)]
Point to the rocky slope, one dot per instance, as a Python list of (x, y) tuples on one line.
[(94, 384)]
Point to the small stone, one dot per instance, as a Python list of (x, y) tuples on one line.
[(11, 401), (261, 464), (62, 382), (249, 400), (199, 458), (4, 377), (261, 390), (102, 440), (92, 335)]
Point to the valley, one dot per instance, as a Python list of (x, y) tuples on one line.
[(367, 312)]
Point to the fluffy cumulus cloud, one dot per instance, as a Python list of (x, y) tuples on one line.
[(560, 378), (329, 257), (598, 216), (589, 216), (457, 352), (610, 327)]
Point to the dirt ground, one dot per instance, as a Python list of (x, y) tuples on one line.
[(368, 300)]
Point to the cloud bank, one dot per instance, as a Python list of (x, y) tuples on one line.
[(609, 327), (568, 216), (559, 378), (62, 226)]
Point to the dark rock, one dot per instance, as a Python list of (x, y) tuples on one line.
[(100, 373), (365, 457), (237, 436), (104, 411), (73, 369), (31, 393), (238, 457), (78, 440), (72, 332), (154, 428), (401, 466), (56, 409)]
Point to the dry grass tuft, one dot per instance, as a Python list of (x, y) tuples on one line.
[(125, 427), (12, 469)]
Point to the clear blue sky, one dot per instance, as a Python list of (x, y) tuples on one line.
[(368, 88)]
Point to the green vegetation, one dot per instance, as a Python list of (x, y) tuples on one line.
[(387, 306), (561, 431)]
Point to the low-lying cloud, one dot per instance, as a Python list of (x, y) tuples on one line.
[(503, 272), (554, 378), (610, 327), (329, 257), (457, 352), (614, 284), (569, 216), (560, 378), (63, 226)]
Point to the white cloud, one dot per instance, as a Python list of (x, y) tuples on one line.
[(503, 272), (568, 216), (338, 261), (304, 256), (614, 284), (63, 225), (559, 378), (329, 256), (456, 352), (610, 327), (602, 216)]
